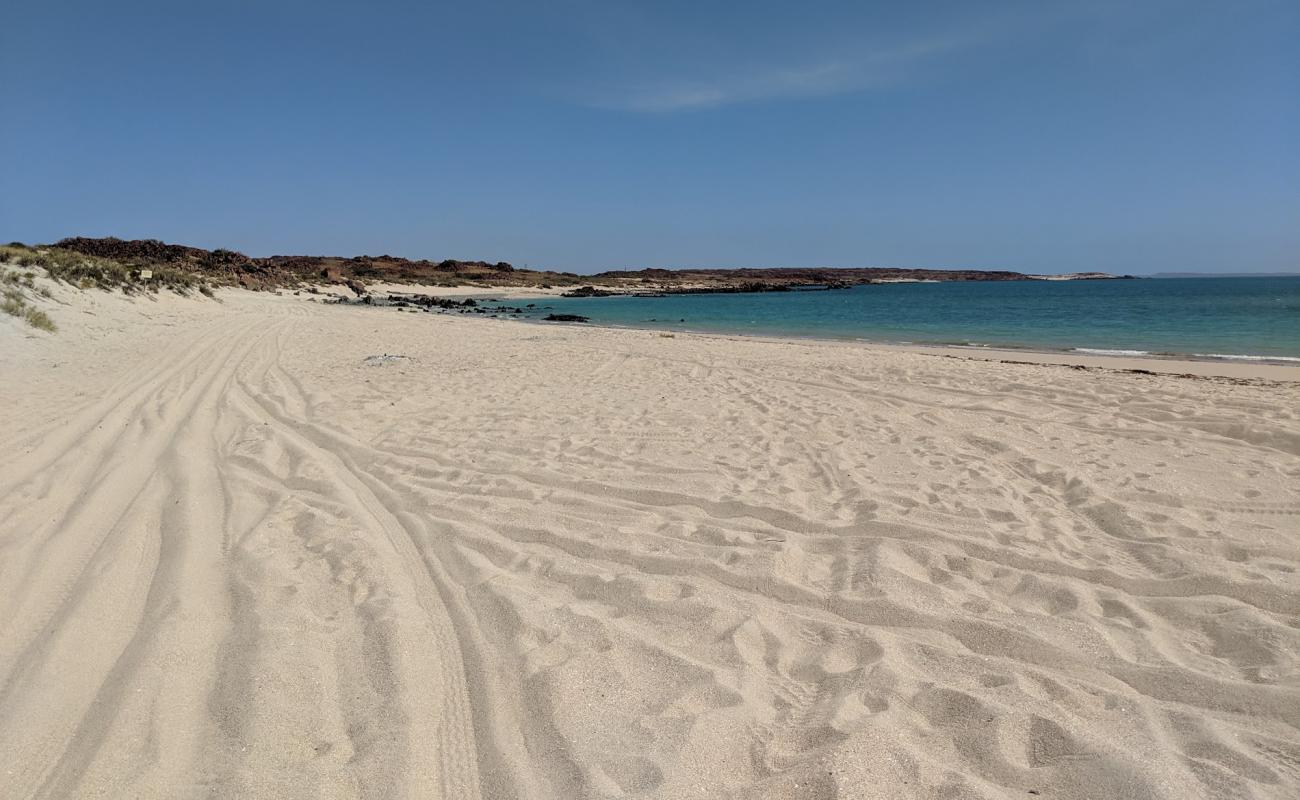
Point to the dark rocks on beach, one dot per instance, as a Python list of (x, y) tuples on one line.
[(565, 318), (588, 291), (490, 307), (430, 301)]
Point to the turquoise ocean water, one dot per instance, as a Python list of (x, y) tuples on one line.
[(1256, 318)]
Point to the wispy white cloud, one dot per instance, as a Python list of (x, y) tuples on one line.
[(717, 85), (657, 58)]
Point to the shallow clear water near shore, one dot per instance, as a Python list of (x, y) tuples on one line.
[(1238, 318)]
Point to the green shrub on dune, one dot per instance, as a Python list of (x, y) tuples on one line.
[(94, 272), (19, 262)]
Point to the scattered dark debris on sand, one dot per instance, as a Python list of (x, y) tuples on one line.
[(1121, 370), (565, 318)]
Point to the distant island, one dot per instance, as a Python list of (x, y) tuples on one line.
[(1225, 275), (229, 266)]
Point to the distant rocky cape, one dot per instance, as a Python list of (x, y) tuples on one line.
[(1225, 275), (234, 267)]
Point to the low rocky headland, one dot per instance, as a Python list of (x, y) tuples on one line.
[(233, 268)]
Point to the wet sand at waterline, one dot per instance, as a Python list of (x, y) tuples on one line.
[(239, 557)]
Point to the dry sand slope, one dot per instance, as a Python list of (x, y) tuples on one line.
[(531, 562)]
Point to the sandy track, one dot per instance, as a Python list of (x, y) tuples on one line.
[(547, 562), (156, 614)]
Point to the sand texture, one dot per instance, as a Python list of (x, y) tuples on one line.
[(240, 558)]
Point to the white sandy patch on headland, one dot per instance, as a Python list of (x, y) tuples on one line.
[(504, 292), (239, 557)]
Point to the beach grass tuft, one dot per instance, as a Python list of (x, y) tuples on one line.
[(39, 319), (14, 303)]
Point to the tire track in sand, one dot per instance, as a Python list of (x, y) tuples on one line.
[(140, 629)]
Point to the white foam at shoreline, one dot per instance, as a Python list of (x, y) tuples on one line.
[(1246, 358), (1100, 352), (1228, 356)]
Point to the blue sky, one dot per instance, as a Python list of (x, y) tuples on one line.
[(1136, 136)]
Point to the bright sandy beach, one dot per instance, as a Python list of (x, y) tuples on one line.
[(241, 557)]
